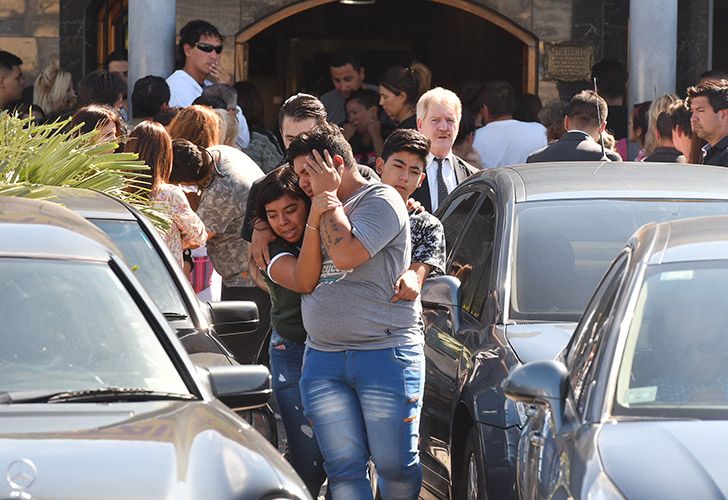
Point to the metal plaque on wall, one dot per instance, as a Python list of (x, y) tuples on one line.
[(567, 62)]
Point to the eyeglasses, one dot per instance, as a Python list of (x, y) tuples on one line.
[(206, 47)]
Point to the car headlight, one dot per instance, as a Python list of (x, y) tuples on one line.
[(603, 489)]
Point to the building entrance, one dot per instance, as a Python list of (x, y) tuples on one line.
[(459, 41)]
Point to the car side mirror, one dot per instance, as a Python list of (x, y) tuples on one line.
[(540, 382), (443, 291), (241, 387), (234, 317)]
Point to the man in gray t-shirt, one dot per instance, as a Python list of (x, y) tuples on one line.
[(364, 362)]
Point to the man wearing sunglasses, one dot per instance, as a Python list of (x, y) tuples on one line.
[(199, 49)]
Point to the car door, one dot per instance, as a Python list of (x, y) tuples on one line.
[(548, 460), (469, 230)]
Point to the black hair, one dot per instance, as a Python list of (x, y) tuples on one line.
[(582, 109), (251, 102), (190, 163), (409, 140), (322, 137), (714, 74), (611, 77), (100, 87), (498, 96), (148, 96), (412, 81), (191, 33), (367, 98), (302, 106), (715, 90), (8, 60), (680, 118), (341, 57), (640, 119), (527, 108), (117, 55), (664, 125), (467, 126), (278, 183), (210, 101)]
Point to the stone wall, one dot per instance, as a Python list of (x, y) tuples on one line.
[(30, 30)]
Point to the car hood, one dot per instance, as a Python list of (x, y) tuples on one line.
[(666, 459), (539, 341), (138, 450)]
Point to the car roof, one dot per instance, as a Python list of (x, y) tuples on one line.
[(691, 239), (90, 204), (41, 229), (637, 180)]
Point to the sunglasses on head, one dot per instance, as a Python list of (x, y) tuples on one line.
[(206, 47)]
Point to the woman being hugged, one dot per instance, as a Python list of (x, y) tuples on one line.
[(153, 145), (286, 209)]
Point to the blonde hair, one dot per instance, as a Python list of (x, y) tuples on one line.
[(50, 90), (439, 95), (198, 124), (660, 104), (229, 127)]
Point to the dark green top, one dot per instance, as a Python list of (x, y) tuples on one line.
[(285, 312)]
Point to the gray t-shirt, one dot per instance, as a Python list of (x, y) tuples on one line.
[(351, 309)]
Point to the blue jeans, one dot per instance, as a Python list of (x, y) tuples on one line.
[(366, 404), (286, 358)]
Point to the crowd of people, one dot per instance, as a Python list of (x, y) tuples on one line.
[(327, 222)]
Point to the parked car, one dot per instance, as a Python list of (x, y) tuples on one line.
[(527, 245), (209, 331), (98, 397), (637, 404)]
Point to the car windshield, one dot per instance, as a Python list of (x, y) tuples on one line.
[(73, 326), (675, 360), (142, 258), (563, 247)]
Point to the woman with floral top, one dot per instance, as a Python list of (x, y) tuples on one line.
[(152, 143)]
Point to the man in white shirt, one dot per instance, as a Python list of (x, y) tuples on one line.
[(438, 118), (200, 46), (503, 140)]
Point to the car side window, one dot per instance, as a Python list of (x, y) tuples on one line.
[(596, 321), (456, 215), (471, 260)]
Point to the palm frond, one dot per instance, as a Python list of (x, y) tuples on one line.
[(53, 154)]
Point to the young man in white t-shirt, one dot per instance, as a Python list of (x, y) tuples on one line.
[(200, 46)]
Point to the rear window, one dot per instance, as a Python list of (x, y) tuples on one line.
[(562, 248)]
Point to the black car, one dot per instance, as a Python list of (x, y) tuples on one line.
[(637, 404), (98, 398), (527, 245), (213, 333)]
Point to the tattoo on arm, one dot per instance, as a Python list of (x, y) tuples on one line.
[(330, 231)]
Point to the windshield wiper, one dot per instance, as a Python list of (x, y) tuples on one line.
[(171, 316), (102, 394)]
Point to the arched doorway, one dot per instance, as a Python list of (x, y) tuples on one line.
[(458, 40)]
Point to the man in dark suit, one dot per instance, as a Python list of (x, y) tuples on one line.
[(438, 118), (585, 121)]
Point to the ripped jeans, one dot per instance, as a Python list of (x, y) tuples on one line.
[(286, 357), (367, 404)]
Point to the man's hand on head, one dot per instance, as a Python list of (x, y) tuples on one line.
[(324, 171)]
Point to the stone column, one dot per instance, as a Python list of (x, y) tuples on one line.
[(652, 49), (152, 30)]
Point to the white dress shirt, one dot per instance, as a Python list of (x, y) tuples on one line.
[(448, 174)]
